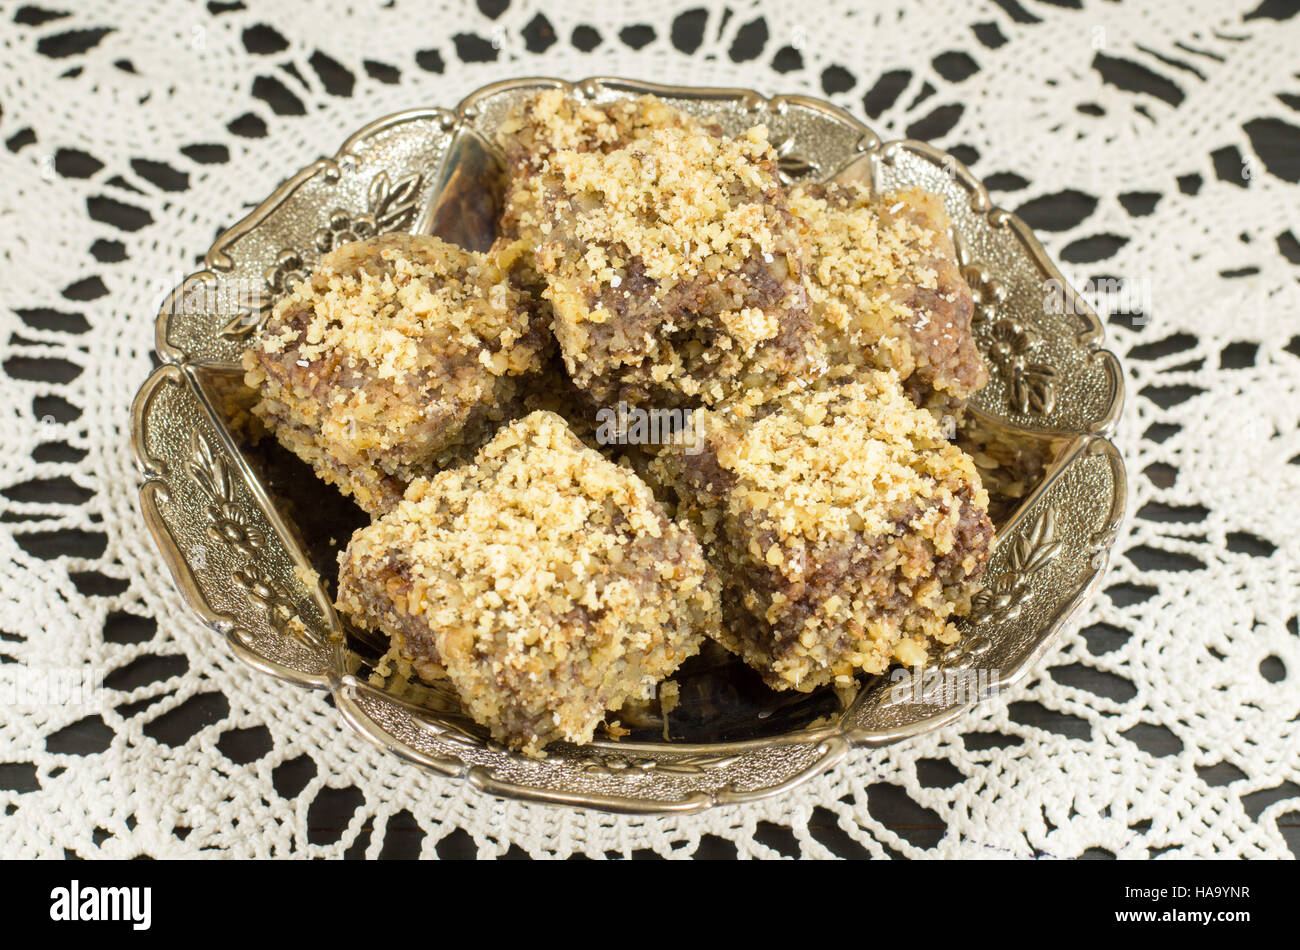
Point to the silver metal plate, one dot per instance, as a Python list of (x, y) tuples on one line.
[(253, 562)]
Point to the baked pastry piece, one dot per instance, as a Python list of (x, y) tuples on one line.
[(886, 289), (672, 264), (397, 352), (848, 531), (550, 122), (542, 579)]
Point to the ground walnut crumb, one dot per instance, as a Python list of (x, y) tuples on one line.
[(551, 121), (544, 580), (848, 531), (397, 349), (886, 289)]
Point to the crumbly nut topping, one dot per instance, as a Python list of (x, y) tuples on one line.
[(548, 579), (683, 203), (885, 285), (386, 353), (551, 121), (841, 462)]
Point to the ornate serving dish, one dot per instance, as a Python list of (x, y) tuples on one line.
[(258, 569)]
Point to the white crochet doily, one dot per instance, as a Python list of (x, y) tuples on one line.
[(1154, 143)]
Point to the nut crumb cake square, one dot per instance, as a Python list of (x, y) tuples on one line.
[(848, 530), (550, 122), (545, 581), (398, 349), (672, 263), (886, 289)]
